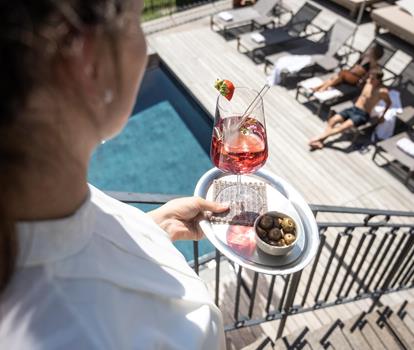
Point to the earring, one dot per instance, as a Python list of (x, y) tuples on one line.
[(108, 96)]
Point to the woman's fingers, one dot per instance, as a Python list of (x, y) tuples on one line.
[(215, 207)]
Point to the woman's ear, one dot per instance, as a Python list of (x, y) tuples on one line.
[(78, 70)]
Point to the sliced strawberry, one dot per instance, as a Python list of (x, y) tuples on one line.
[(225, 87)]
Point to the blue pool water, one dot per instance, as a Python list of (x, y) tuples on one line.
[(163, 149)]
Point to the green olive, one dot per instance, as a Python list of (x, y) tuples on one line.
[(281, 243), (289, 238), (288, 225)]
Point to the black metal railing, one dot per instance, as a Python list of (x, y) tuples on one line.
[(363, 253)]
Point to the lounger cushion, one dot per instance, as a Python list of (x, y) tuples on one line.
[(352, 5), (390, 146), (397, 21)]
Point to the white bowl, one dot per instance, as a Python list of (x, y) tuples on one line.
[(272, 249)]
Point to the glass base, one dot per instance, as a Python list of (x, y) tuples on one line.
[(245, 205)]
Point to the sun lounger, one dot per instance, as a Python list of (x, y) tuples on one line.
[(256, 16), (397, 20), (402, 104), (337, 94), (257, 43), (322, 53), (391, 147), (354, 5)]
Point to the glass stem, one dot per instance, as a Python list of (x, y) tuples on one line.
[(238, 186)]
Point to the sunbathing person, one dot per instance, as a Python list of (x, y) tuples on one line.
[(358, 73), (359, 114)]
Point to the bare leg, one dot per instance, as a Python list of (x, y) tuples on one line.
[(335, 80), (331, 129), (317, 142)]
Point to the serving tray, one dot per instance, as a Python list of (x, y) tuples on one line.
[(238, 243)]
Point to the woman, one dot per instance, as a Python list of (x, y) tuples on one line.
[(358, 73), (79, 270)]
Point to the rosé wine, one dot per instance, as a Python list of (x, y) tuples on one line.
[(239, 149)]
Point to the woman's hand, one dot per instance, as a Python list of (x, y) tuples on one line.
[(180, 217)]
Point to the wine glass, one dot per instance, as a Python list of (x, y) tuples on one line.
[(239, 141)]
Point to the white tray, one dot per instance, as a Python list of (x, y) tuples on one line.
[(282, 197)]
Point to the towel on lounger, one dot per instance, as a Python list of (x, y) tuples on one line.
[(311, 83), (257, 37), (289, 63), (225, 16), (386, 128), (406, 145)]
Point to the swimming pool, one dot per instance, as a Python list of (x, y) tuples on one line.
[(163, 149)]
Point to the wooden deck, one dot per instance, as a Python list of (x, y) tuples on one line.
[(333, 176)]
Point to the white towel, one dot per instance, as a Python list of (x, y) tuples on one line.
[(386, 128), (290, 63), (407, 5), (225, 16), (406, 145), (327, 94), (311, 83), (257, 37)]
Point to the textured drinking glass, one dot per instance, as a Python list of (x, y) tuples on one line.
[(239, 142)]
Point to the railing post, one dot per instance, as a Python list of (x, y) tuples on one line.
[(195, 251), (394, 270), (289, 302)]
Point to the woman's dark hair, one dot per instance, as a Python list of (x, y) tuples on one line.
[(33, 34)]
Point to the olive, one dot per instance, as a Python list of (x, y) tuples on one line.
[(260, 232), (273, 242), (288, 225), (289, 238), (266, 222), (281, 243), (275, 234)]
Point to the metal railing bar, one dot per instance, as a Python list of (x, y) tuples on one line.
[(391, 235), (351, 264), (354, 210), (327, 268), (255, 322), (195, 254), (289, 302), (340, 263), (314, 266), (344, 301), (403, 268), (392, 257), (218, 260), (411, 277), (356, 225), (361, 282), (409, 272), (362, 261), (396, 262), (253, 294), (362, 285), (270, 294), (238, 287), (285, 288)]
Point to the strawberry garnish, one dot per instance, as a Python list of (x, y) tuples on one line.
[(225, 87)]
